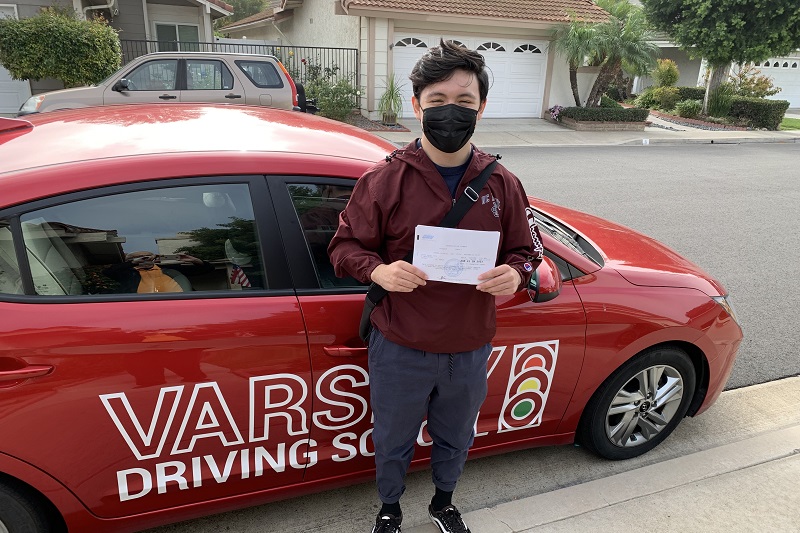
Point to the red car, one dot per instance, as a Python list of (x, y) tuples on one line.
[(174, 342)]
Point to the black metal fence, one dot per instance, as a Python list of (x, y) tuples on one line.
[(300, 61)]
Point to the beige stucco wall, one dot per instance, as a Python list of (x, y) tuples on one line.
[(689, 69), (261, 32), (560, 89), (316, 24)]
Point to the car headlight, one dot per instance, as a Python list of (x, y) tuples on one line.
[(727, 305), (32, 105)]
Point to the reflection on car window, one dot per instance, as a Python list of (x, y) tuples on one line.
[(207, 74), (10, 281), (318, 208), (180, 239), (263, 74), (154, 76)]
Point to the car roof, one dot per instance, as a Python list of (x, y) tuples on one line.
[(105, 132), (208, 53)]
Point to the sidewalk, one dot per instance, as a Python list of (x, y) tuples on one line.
[(496, 132), (743, 486)]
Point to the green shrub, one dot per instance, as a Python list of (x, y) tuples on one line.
[(605, 101), (719, 101), (55, 44), (689, 108), (605, 114), (645, 99), (614, 93), (666, 73), (335, 96), (759, 112), (748, 81), (665, 97), (691, 93)]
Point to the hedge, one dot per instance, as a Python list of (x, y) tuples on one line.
[(691, 93), (605, 114), (759, 112), (55, 44)]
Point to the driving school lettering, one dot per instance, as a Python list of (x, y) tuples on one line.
[(202, 414)]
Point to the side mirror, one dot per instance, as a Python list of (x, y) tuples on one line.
[(546, 281), (121, 85)]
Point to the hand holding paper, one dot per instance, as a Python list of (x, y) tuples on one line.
[(455, 255)]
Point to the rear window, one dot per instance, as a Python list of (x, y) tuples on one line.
[(10, 281), (263, 74)]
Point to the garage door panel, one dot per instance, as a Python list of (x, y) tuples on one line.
[(516, 78)]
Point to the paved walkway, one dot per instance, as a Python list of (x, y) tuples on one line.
[(495, 132), (748, 485)]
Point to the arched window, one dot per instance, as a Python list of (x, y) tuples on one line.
[(528, 48), (411, 42), (766, 63), (785, 64), (457, 43), (776, 64), (492, 47), (794, 65)]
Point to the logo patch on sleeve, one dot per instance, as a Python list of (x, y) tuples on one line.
[(528, 267)]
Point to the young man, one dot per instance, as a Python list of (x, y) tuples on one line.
[(429, 346)]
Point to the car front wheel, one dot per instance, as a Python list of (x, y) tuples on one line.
[(639, 405), (19, 512)]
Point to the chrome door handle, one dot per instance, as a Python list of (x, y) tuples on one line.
[(345, 351), (32, 371)]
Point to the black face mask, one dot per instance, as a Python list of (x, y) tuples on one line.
[(449, 127)]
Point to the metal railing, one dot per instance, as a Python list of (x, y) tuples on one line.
[(300, 61)]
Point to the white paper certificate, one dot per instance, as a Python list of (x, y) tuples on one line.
[(455, 255)]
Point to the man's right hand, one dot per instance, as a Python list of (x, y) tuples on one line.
[(399, 276)]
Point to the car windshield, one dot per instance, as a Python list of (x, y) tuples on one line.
[(568, 237)]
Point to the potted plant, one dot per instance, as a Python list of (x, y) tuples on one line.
[(391, 103)]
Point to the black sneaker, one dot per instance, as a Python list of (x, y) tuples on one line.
[(387, 523), (448, 520)]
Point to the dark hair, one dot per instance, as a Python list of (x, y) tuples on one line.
[(440, 63)]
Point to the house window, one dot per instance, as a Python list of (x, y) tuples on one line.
[(794, 65), (528, 48), (766, 63), (177, 37), (458, 43), (785, 64), (411, 41), (491, 46), (776, 64)]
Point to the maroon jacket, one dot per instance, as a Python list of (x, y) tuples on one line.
[(377, 227)]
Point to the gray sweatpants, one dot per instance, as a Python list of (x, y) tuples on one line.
[(407, 385)]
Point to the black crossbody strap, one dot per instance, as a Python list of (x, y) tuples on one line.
[(467, 199)]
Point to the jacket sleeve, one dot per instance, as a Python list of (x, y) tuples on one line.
[(521, 247), (354, 248)]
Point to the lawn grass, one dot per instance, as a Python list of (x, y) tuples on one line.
[(790, 124)]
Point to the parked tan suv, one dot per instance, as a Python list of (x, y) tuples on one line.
[(183, 77)]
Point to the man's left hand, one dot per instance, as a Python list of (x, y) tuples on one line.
[(500, 281)]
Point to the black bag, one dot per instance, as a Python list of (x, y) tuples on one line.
[(376, 293)]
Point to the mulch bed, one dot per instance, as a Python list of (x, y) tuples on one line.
[(691, 122), (360, 121)]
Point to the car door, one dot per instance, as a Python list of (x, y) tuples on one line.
[(151, 81), (210, 80), (170, 349), (532, 372)]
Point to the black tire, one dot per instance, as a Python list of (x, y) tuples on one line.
[(20, 512), (638, 423)]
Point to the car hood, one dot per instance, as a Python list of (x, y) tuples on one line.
[(640, 259)]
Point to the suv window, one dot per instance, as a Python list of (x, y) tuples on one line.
[(318, 208), (159, 75), (207, 74), (179, 239), (10, 281), (263, 74)]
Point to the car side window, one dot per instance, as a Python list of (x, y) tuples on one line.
[(263, 74), (207, 74), (10, 280), (172, 240), (159, 75), (318, 208)]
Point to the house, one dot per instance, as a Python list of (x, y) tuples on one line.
[(166, 21), (390, 35)]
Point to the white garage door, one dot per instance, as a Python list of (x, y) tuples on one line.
[(13, 93), (785, 73), (517, 70)]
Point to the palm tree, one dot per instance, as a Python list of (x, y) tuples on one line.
[(625, 38), (576, 42)]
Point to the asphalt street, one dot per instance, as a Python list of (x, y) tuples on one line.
[(732, 209)]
